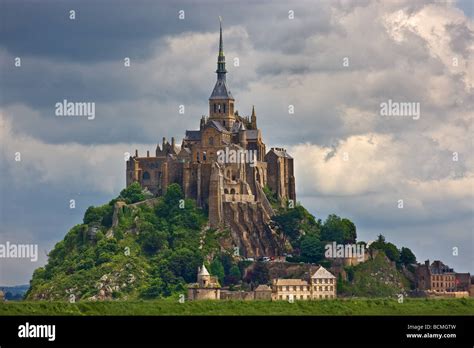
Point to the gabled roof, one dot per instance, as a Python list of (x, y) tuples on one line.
[(193, 135), (216, 125), (322, 273), (237, 126), (263, 287)]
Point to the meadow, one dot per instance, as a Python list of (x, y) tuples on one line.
[(171, 307)]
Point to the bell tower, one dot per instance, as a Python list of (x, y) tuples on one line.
[(221, 101)]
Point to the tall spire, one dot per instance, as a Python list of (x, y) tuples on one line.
[(221, 71), (221, 46)]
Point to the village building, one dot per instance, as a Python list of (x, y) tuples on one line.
[(263, 292), (206, 288), (322, 285), (438, 279)]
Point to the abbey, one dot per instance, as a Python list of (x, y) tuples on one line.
[(232, 191)]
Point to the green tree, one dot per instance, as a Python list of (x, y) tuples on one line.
[(132, 193), (217, 269), (349, 231), (259, 274), (407, 257), (392, 252), (234, 275), (338, 230), (312, 249)]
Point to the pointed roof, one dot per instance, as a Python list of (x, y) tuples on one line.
[(203, 271), (221, 91), (322, 273)]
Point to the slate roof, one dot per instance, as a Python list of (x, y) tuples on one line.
[(221, 91), (238, 126), (217, 125), (193, 135)]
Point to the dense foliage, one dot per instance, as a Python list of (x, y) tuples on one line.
[(152, 252)]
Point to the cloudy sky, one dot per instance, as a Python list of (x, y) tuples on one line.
[(335, 62)]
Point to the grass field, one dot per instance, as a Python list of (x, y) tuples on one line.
[(171, 307)]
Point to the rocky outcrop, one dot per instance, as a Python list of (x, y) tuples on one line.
[(250, 229)]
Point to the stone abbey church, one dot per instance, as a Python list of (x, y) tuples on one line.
[(229, 187)]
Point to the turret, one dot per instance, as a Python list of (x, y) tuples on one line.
[(253, 118)]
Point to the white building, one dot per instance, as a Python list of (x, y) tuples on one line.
[(322, 285)]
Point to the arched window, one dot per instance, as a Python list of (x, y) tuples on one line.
[(146, 176), (226, 191), (232, 191), (211, 141)]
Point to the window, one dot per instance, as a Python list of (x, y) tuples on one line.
[(204, 156), (146, 176), (211, 141), (215, 108), (232, 191), (226, 191), (223, 105)]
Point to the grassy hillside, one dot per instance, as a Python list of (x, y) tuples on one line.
[(377, 277), (152, 252), (173, 307)]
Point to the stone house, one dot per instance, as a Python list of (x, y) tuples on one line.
[(206, 288)]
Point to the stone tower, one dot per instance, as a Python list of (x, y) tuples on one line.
[(221, 101)]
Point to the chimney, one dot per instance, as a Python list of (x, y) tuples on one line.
[(136, 153), (172, 142), (164, 142), (427, 263), (148, 153)]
